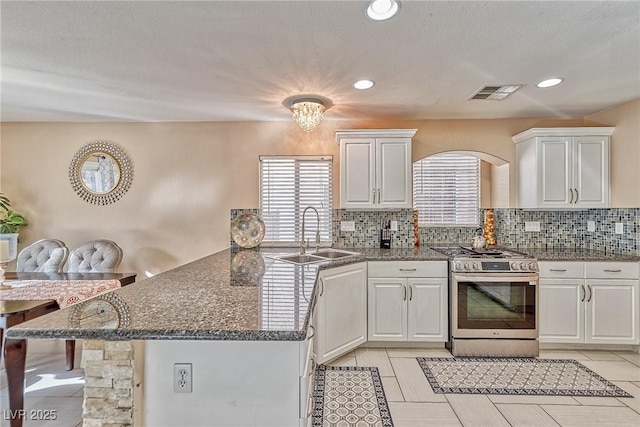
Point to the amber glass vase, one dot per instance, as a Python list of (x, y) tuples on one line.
[(488, 227)]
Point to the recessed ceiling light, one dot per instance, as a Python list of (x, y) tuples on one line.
[(379, 10), (363, 84), (550, 82)]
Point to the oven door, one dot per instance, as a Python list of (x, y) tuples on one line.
[(494, 305)]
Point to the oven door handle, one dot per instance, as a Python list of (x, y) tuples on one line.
[(497, 278)]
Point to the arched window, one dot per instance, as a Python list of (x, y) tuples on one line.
[(446, 190)]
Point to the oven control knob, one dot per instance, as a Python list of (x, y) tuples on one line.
[(458, 266), (532, 266), (523, 266), (476, 266), (466, 266), (514, 265)]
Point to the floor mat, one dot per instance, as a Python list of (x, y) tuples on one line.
[(349, 396), (517, 376)]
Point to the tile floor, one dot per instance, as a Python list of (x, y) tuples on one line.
[(410, 397), (49, 387), (413, 403)]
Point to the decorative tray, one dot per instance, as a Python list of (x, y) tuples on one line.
[(247, 230)]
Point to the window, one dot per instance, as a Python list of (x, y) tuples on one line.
[(287, 186), (446, 190)]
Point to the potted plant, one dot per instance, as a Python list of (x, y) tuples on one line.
[(11, 219)]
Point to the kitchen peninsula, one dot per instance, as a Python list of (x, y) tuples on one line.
[(241, 319)]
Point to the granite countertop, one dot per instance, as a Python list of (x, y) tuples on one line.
[(232, 295), (240, 295), (576, 254)]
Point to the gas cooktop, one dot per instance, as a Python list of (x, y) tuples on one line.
[(494, 260), (469, 252)]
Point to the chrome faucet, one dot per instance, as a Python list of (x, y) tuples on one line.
[(303, 245)]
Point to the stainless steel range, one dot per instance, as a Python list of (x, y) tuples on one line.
[(493, 299)]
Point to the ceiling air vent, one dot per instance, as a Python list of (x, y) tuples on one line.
[(495, 93)]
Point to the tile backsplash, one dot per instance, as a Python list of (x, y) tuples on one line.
[(557, 229), (569, 229), (367, 228)]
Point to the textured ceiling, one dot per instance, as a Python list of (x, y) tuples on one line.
[(239, 60)]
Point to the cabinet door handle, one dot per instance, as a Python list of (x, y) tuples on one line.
[(571, 201), (313, 332), (612, 271), (576, 196), (410, 293), (584, 293), (590, 293), (407, 269), (321, 287), (373, 193), (558, 269), (378, 195), (405, 293)]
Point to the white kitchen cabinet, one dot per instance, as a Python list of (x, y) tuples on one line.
[(340, 313), (593, 302), (375, 168), (387, 309), (563, 167), (408, 301)]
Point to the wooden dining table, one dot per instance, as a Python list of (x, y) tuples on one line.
[(14, 312)]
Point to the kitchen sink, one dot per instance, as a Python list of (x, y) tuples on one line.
[(334, 254), (323, 255), (300, 259)]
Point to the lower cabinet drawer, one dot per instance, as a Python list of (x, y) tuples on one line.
[(612, 270), (407, 268), (558, 270)]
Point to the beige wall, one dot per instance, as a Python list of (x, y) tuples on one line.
[(625, 152), (188, 175)]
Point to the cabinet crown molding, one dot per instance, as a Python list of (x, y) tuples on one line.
[(573, 131), (378, 133)]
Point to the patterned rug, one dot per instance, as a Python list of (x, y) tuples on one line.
[(523, 376), (349, 396)]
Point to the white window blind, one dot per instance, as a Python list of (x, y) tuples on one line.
[(285, 295), (446, 190), (287, 186)]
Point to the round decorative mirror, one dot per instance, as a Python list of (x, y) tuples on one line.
[(101, 172)]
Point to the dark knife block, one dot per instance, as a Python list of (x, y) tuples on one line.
[(385, 239)]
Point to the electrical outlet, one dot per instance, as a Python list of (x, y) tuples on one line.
[(591, 226), (347, 226), (182, 378), (394, 225), (619, 228), (532, 226)]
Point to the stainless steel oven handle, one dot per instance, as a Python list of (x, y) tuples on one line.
[(501, 278)]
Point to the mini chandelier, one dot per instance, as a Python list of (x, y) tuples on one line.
[(307, 112)]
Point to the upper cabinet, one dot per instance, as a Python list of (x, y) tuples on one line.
[(375, 168), (563, 167)]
